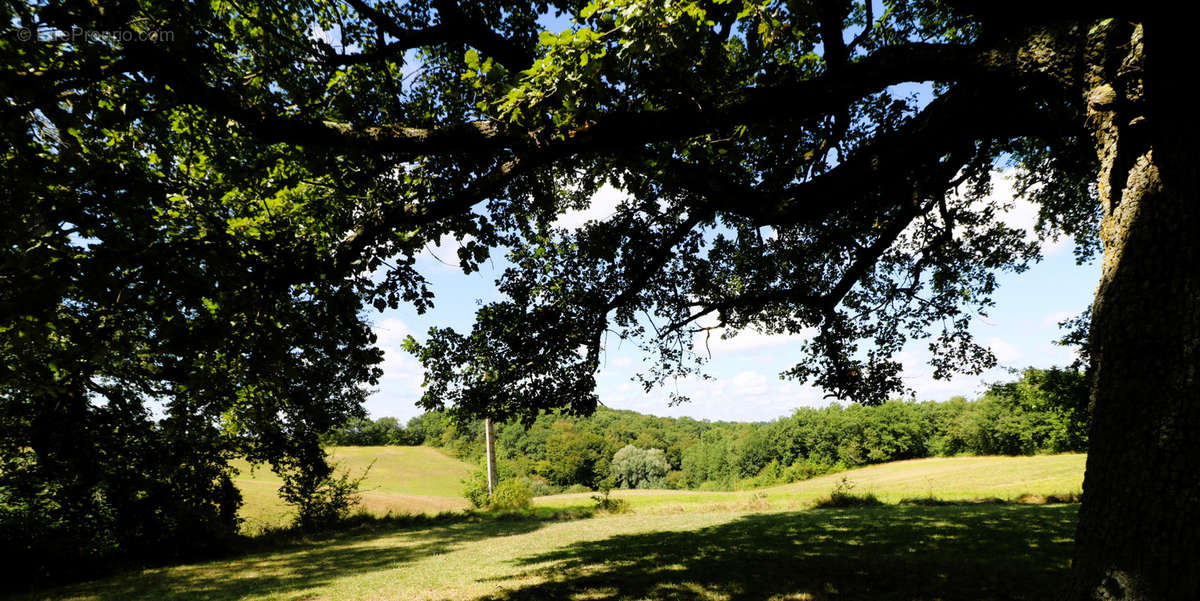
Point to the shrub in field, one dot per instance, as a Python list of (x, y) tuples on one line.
[(807, 469), (475, 489), (539, 486), (843, 497), (607, 503), (321, 497), (512, 495)]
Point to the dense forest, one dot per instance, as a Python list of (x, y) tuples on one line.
[(1042, 412)]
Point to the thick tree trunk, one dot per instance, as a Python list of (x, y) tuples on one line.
[(1139, 528)]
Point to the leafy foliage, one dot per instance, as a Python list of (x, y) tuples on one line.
[(511, 495), (475, 489), (361, 431), (1042, 412), (322, 498), (114, 495), (639, 468), (150, 330)]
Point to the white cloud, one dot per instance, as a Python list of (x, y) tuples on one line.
[(1018, 213), (400, 386), (1021, 213), (749, 383), (443, 253), (930, 389), (603, 205), (1004, 352), (622, 362), (1052, 320), (390, 332), (1056, 354), (748, 395), (329, 36), (919, 377), (744, 342)]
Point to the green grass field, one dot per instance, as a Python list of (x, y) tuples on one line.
[(888, 552), (678, 546), (950, 478), (415, 480), (401, 480)]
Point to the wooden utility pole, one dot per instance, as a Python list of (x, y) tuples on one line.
[(490, 439)]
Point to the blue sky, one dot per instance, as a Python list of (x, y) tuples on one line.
[(1020, 330)]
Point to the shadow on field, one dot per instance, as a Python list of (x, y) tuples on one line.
[(293, 569), (892, 552)]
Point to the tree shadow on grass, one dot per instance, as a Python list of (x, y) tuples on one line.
[(289, 572), (979, 552)]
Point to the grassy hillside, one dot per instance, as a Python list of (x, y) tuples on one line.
[(423, 480), (401, 480), (951, 478), (674, 545)]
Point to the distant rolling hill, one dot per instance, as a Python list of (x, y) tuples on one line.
[(401, 480), (424, 480), (947, 478)]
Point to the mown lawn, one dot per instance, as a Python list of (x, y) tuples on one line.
[(674, 545), (889, 552), (401, 480)]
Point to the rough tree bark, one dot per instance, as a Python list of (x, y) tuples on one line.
[(1139, 535)]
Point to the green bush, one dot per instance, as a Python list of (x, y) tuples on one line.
[(770, 474), (323, 501), (577, 488), (512, 495), (475, 489), (320, 496), (139, 500), (675, 479), (606, 503), (843, 497), (540, 487), (808, 469)]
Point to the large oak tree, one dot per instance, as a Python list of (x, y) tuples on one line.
[(258, 171)]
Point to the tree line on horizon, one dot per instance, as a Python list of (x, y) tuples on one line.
[(1042, 412)]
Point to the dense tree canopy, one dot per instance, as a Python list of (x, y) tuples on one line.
[(203, 198), (639, 468), (1042, 412)]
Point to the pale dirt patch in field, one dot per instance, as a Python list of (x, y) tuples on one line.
[(383, 502)]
